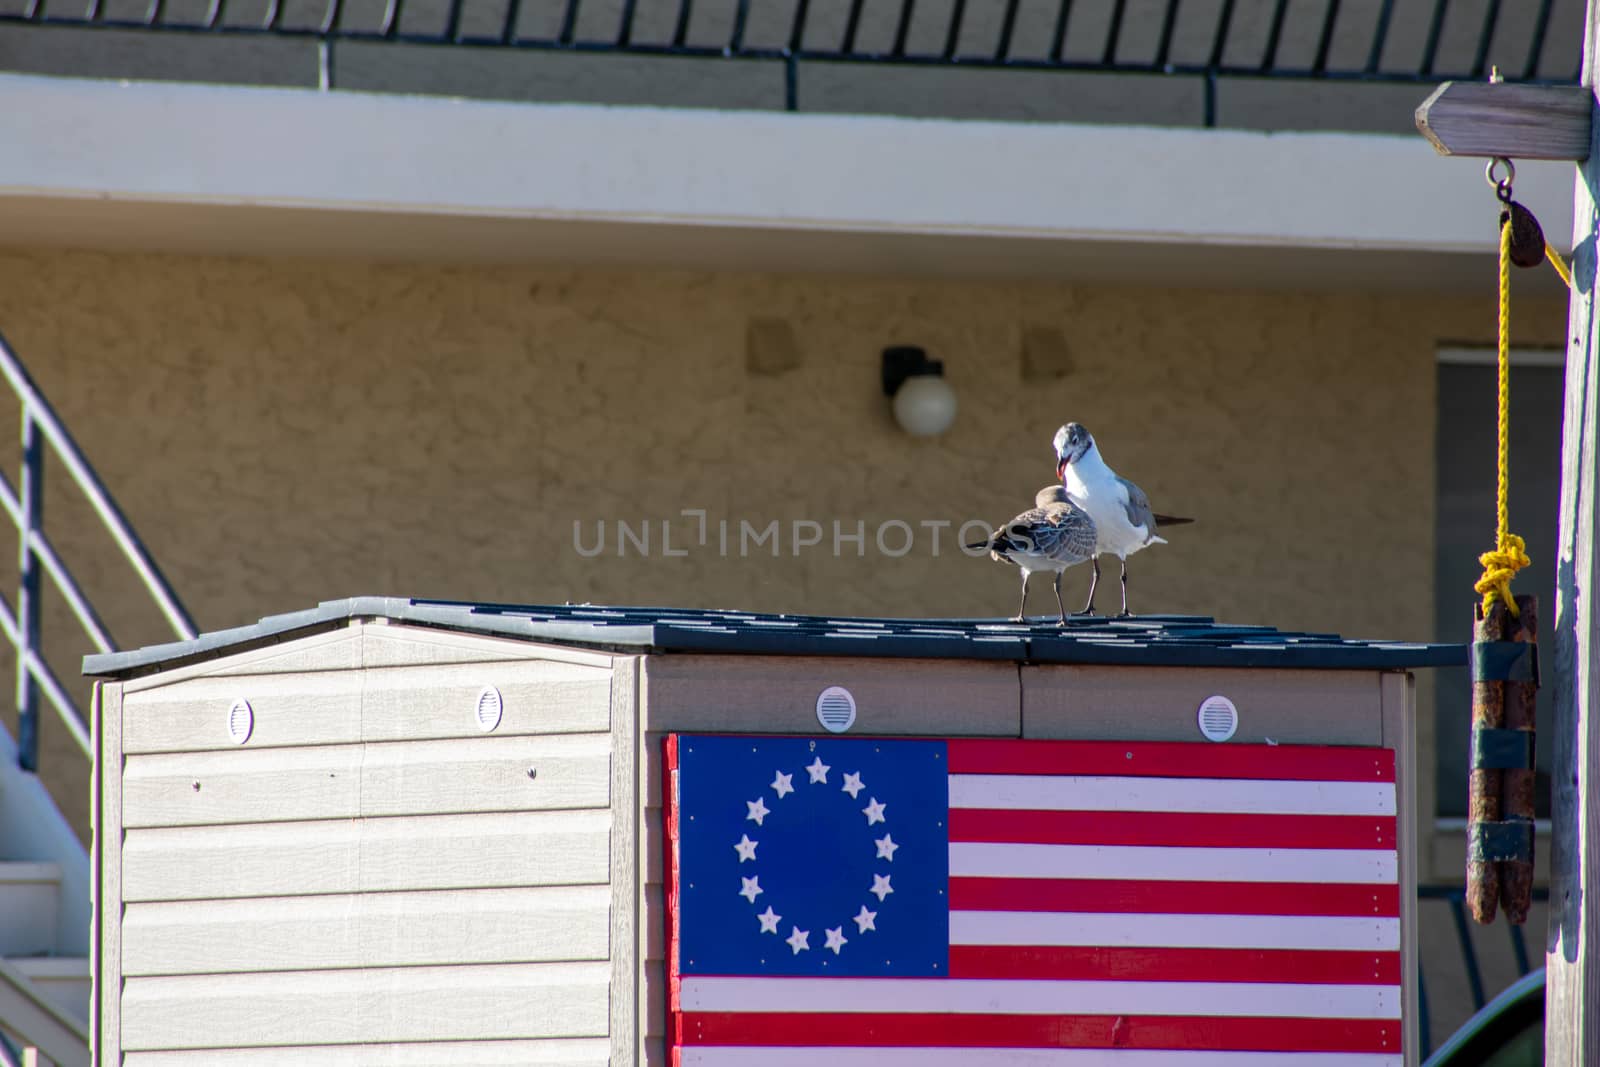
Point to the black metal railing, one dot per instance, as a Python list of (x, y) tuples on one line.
[(36, 557), (1455, 897), (1399, 41)]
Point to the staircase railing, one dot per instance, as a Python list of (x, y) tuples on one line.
[(36, 557)]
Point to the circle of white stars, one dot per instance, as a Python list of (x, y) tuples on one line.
[(865, 920)]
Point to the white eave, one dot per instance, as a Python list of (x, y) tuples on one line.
[(221, 169)]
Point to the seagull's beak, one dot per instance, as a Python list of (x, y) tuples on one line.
[(1061, 467)]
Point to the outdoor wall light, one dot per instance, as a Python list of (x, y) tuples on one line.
[(924, 403)]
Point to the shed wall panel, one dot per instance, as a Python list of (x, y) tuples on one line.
[(105, 1035), (333, 650), (1400, 734), (321, 708), (404, 1004), (344, 707), (655, 932), (772, 694), (248, 785), (568, 1052), (655, 986), (366, 855), (371, 878), (1299, 707), (387, 644), (367, 930), (625, 861), (415, 703), (484, 774)]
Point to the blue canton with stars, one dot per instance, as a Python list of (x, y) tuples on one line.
[(812, 856)]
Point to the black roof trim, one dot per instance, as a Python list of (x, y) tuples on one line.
[(1144, 640)]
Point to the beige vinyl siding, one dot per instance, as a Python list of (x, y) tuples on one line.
[(369, 855), (342, 930), (478, 774), (388, 1004), (571, 1052), (371, 878), (342, 707)]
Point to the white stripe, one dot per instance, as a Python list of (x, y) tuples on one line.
[(1032, 792), (989, 859), (1174, 931), (708, 1056), (967, 996)]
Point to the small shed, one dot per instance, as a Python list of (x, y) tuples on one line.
[(409, 831)]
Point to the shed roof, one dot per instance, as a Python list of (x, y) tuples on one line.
[(1144, 640)]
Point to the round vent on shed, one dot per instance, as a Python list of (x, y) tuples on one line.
[(241, 721), (490, 708), (1219, 719), (836, 709)]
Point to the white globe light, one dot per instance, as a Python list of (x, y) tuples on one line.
[(925, 405)]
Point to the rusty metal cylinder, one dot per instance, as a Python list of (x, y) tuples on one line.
[(1500, 798)]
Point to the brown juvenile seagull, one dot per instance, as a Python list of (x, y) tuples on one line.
[(1051, 536)]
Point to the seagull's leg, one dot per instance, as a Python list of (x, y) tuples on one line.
[(1088, 608), (1125, 611), (1022, 608), (1062, 607)]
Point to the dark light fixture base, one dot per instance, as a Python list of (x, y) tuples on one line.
[(906, 361)]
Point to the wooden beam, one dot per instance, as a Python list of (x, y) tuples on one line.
[(1572, 952), (1502, 119)]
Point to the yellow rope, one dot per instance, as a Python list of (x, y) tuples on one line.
[(1509, 555), (1558, 263)]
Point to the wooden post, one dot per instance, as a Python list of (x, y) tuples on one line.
[(1572, 959), (1494, 122)]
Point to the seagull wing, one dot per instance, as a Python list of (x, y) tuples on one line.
[(1138, 506), (1064, 532)]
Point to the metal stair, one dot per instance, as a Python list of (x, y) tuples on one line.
[(45, 972), (44, 928)]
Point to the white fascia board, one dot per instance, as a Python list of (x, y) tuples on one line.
[(344, 151)]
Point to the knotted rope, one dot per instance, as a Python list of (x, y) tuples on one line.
[(1510, 553)]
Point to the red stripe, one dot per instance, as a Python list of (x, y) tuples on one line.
[(1179, 828), (1147, 759), (1173, 898), (1040, 1031), (1175, 964)]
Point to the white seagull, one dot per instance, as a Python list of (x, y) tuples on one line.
[(1051, 536), (1121, 512)]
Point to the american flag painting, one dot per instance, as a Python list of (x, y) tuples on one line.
[(844, 902)]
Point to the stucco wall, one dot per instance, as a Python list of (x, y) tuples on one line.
[(285, 432)]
